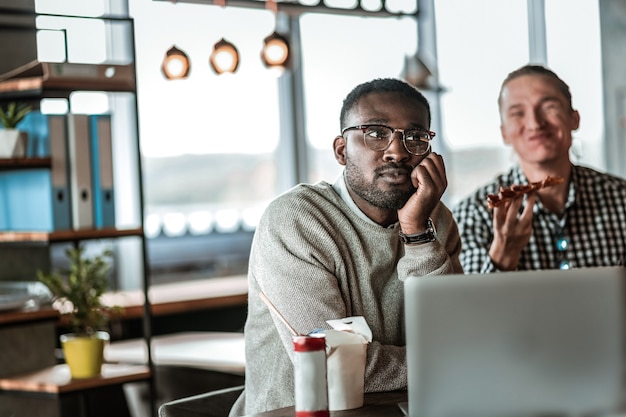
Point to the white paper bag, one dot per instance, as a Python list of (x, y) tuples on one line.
[(346, 352)]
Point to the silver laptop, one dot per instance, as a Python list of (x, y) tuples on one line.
[(515, 344)]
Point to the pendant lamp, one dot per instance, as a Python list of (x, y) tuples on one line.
[(224, 58), (175, 64), (275, 53)]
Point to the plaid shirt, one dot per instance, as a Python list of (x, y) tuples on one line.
[(593, 223)]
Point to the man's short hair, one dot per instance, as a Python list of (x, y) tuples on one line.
[(538, 70), (380, 85)]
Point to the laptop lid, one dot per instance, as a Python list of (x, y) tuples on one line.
[(515, 343)]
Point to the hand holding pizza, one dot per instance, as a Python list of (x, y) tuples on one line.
[(512, 230)]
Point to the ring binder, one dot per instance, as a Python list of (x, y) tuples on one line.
[(102, 170), (80, 171)]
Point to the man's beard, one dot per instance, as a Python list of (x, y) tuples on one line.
[(389, 200)]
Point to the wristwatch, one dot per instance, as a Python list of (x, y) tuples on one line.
[(420, 238)]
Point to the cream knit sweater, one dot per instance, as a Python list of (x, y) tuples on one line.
[(317, 260)]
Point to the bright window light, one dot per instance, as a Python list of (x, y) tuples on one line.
[(86, 102), (200, 222), (174, 224), (227, 220), (54, 106), (152, 226)]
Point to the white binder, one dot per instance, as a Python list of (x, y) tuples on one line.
[(80, 171)]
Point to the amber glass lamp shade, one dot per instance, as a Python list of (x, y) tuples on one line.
[(224, 58), (275, 51), (175, 64)]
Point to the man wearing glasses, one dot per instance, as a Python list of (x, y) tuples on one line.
[(578, 223), (329, 251)]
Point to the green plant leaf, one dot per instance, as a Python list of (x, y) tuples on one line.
[(13, 114), (82, 284)]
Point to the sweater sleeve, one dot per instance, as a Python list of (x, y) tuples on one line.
[(438, 257)]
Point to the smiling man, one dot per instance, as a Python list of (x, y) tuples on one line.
[(328, 251), (580, 222)]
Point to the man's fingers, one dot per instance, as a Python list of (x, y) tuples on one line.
[(527, 215), (431, 170), (513, 207)]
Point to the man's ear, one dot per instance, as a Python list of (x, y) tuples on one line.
[(339, 146), (575, 120), (505, 139)]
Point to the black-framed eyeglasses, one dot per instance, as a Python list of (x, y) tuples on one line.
[(379, 138)]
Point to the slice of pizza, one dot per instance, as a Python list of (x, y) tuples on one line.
[(507, 193)]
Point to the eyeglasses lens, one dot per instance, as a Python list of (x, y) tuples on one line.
[(378, 138), (417, 142)]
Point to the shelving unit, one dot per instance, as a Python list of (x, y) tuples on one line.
[(54, 387), (36, 81), (24, 163), (68, 235)]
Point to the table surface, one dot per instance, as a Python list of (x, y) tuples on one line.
[(216, 351), (57, 379), (376, 404), (26, 316), (165, 299), (180, 297)]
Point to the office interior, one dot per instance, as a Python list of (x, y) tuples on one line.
[(203, 155)]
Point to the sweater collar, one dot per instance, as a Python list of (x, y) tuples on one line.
[(341, 188)]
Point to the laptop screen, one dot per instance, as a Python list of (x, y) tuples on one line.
[(515, 343)]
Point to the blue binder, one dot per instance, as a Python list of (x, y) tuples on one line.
[(24, 200), (102, 170)]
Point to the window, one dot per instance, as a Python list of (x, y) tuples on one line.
[(211, 143), (576, 56), (349, 50), (208, 141), (478, 44), (209, 176)]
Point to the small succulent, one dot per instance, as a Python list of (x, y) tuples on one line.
[(82, 285), (13, 114)]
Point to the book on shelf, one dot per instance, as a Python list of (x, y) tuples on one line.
[(37, 75)]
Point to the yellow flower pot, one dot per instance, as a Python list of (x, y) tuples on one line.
[(84, 354)]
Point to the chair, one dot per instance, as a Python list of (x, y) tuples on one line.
[(211, 404)]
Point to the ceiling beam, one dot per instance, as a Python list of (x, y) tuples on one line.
[(295, 8)]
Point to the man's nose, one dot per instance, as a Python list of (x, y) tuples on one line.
[(536, 119), (396, 150)]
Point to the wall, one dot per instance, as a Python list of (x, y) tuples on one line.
[(17, 31)]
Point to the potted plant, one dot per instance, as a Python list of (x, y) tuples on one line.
[(13, 141), (77, 291)]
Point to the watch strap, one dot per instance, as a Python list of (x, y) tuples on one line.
[(420, 238)]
